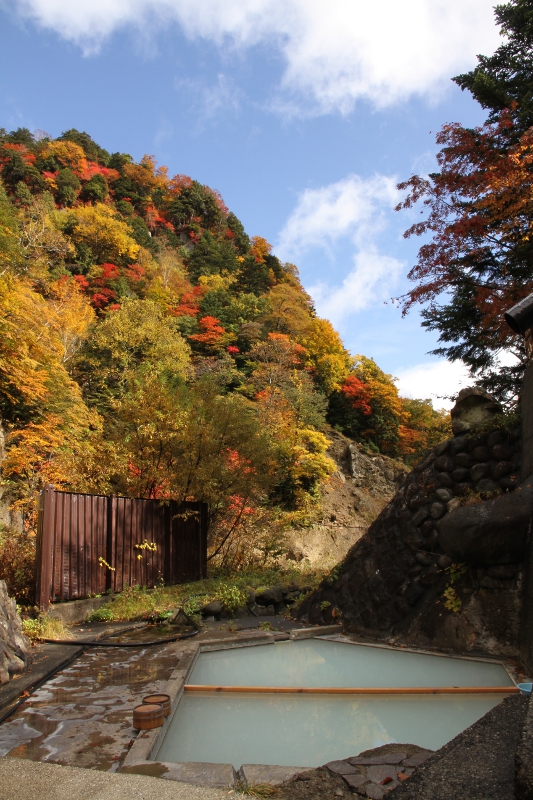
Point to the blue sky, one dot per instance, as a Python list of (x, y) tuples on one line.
[(304, 115)]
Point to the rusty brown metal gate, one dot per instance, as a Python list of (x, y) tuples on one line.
[(90, 544)]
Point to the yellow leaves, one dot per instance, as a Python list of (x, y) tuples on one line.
[(25, 345), (68, 154), (138, 334), (70, 316), (290, 310), (300, 450), (326, 354), (98, 227), (146, 175), (216, 283), (310, 461), (260, 249), (42, 244)]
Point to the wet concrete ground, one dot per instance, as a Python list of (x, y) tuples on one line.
[(83, 716)]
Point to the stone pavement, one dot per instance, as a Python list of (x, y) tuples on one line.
[(21, 779)]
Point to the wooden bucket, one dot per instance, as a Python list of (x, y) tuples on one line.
[(159, 699), (148, 716)]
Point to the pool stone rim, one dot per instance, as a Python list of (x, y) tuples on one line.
[(148, 742)]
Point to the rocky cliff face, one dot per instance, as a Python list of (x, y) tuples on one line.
[(353, 498), (15, 647), (392, 582)]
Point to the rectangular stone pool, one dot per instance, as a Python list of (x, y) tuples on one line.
[(310, 730)]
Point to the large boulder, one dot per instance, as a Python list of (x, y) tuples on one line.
[(474, 409), (15, 647), (489, 532)]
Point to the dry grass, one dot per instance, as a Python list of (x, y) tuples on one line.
[(257, 789), (136, 602), (45, 628)]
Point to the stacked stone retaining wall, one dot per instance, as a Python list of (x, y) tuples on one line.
[(392, 582)]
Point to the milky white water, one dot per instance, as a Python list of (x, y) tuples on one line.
[(309, 730)]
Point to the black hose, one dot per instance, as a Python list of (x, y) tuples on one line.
[(102, 643), (99, 643)]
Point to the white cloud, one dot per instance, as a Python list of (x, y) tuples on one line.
[(369, 282), (434, 380), (334, 53), (352, 207), (355, 209), (220, 96)]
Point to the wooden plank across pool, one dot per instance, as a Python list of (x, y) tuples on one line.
[(396, 690)]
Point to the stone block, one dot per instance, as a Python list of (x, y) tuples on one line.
[(443, 464), (253, 774), (76, 610), (489, 532), (437, 510), (341, 767), (460, 475), (479, 471), (481, 453), (473, 409), (501, 453), (445, 480), (354, 781), (220, 776), (390, 758), (379, 772), (463, 460)]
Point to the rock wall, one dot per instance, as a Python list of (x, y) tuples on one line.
[(351, 500), (391, 584), (526, 650), (15, 647)]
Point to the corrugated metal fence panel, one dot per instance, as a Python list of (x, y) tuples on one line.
[(77, 532), (187, 556), (77, 538)]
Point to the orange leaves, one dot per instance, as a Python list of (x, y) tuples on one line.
[(178, 183), (146, 175), (237, 463), (211, 329), (357, 393), (92, 169), (480, 211), (20, 149), (68, 154), (477, 261), (212, 334), (189, 303), (260, 249)]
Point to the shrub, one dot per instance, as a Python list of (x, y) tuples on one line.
[(45, 628), (17, 564), (231, 597), (102, 614)]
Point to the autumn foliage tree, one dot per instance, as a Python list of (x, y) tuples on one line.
[(477, 258), (149, 347)]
